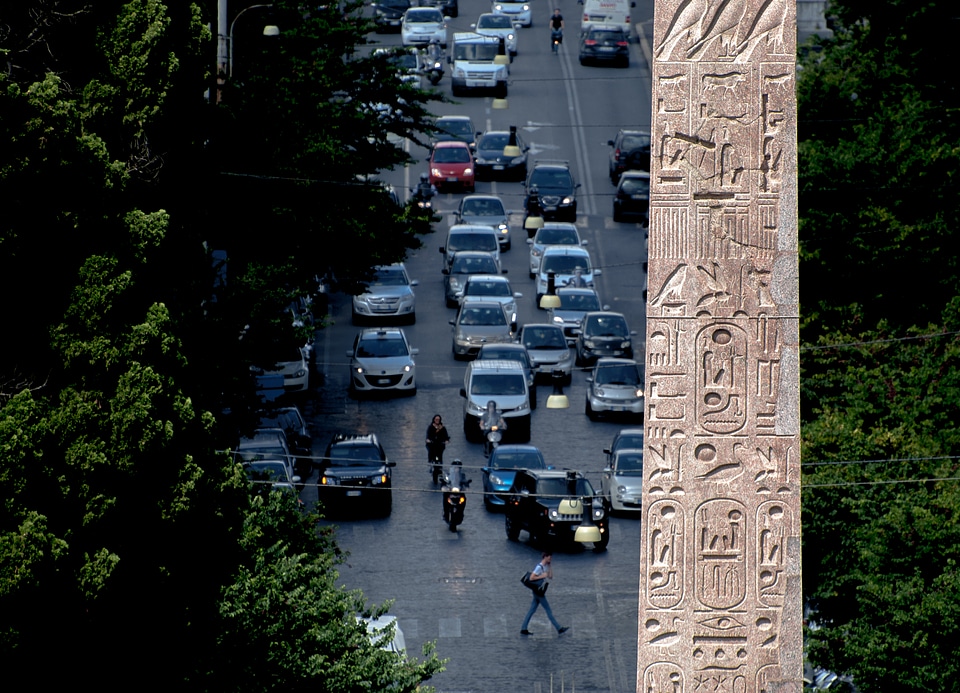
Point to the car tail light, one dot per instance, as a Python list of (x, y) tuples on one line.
[(589, 42), (622, 43)]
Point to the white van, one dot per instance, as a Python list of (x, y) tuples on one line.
[(607, 12)]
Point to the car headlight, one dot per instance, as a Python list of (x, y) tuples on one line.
[(598, 512), (510, 37), (300, 373), (503, 227), (621, 489), (455, 284), (480, 160), (498, 7), (361, 370), (536, 252), (517, 161), (553, 514), (558, 320), (459, 72), (468, 171), (408, 368), (435, 172), (567, 200), (474, 408), (496, 480), (523, 406), (526, 8), (599, 392), (329, 480), (625, 344), (589, 343), (638, 393), (378, 480)]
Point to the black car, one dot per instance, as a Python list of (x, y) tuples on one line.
[(626, 438), (603, 333), (548, 504), (602, 43), (449, 8), (355, 469), (556, 190), (490, 161), (458, 128), (291, 421), (388, 14), (630, 151), (632, 198)]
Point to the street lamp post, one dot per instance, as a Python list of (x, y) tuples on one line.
[(225, 39)]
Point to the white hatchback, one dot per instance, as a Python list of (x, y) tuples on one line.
[(569, 264), (552, 233), (422, 25)]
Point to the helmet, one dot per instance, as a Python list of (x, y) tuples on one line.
[(457, 462), (424, 177), (491, 406)]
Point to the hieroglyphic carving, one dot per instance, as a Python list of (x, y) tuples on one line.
[(721, 471)]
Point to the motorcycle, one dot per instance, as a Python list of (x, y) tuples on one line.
[(433, 60), (435, 460), (556, 38), (435, 72), (423, 197), (454, 498), (492, 440)]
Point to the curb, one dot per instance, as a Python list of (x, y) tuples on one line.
[(645, 44)]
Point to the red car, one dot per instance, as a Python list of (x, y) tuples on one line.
[(451, 165)]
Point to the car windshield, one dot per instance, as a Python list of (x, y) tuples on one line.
[(475, 315), (551, 179), (565, 264), (433, 17), (258, 454), (482, 208), (483, 288), (544, 338), (502, 384), (579, 301), (607, 326), (451, 155), (397, 4), (267, 471), (494, 21), (390, 277), (557, 236), (485, 52), (525, 459), (561, 488), (635, 142), (621, 374), (473, 241), (474, 265), (631, 185), (629, 441), (353, 456), (456, 127), (494, 142), (381, 348), (629, 462)]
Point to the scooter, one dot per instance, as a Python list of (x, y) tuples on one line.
[(435, 460), (492, 440), (435, 72), (422, 198), (454, 498)]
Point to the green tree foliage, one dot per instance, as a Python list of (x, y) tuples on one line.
[(130, 548)]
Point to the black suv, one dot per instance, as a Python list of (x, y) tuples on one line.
[(355, 468), (630, 151), (556, 189), (548, 504)]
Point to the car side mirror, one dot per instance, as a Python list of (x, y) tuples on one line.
[(349, 353), (610, 142), (589, 379), (453, 322), (517, 294), (606, 306), (607, 451), (576, 186), (633, 332), (391, 464), (295, 479), (447, 272), (449, 60), (584, 242), (415, 282), (414, 351), (463, 392), (529, 241), (442, 250), (503, 271), (608, 469), (597, 272), (525, 493)]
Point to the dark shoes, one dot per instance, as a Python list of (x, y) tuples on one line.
[(525, 632), (561, 631)]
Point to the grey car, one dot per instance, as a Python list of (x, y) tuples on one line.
[(615, 386), (389, 295), (487, 210), (575, 302), (478, 323), (548, 348), (621, 482), (381, 361), (491, 287), (465, 264)]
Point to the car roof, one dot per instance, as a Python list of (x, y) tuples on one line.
[(614, 361), (354, 439), (453, 117), (482, 196), (488, 278), (458, 144), (576, 290), (516, 447), (566, 250), (540, 325), (495, 365), (473, 228), (551, 473), (611, 313), (391, 332)]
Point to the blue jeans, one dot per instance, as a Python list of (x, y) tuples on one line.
[(540, 601)]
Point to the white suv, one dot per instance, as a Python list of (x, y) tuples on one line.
[(503, 382)]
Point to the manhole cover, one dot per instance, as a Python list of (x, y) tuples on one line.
[(461, 580)]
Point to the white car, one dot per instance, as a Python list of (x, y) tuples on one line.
[(569, 264), (552, 233), (293, 367), (381, 360), (389, 295), (621, 483), (501, 26), (421, 25), (490, 287), (518, 10)]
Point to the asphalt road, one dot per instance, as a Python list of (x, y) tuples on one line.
[(462, 590)]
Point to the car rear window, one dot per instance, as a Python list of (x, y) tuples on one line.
[(503, 384), (473, 241)]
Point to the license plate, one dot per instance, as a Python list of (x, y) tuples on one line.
[(550, 209), (383, 381), (606, 48), (498, 167), (637, 197), (353, 493), (451, 179)]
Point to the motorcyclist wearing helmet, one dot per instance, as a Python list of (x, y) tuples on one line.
[(492, 416), (425, 189), (453, 479)]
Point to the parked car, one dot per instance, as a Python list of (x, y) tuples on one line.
[(556, 190), (501, 469), (389, 295), (388, 14), (607, 44), (491, 287), (479, 323), (625, 438), (603, 333), (492, 24), (274, 475), (454, 128), (552, 233), (614, 386), (466, 263), (381, 360), (513, 352), (293, 365), (491, 162), (574, 304), (290, 420), (451, 166), (569, 264), (421, 25), (629, 151), (548, 350), (268, 445), (548, 504), (385, 632), (503, 382), (621, 482), (355, 470), (487, 210), (449, 8), (632, 198), (519, 11)]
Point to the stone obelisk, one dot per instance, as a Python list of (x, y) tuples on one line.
[(720, 592)]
